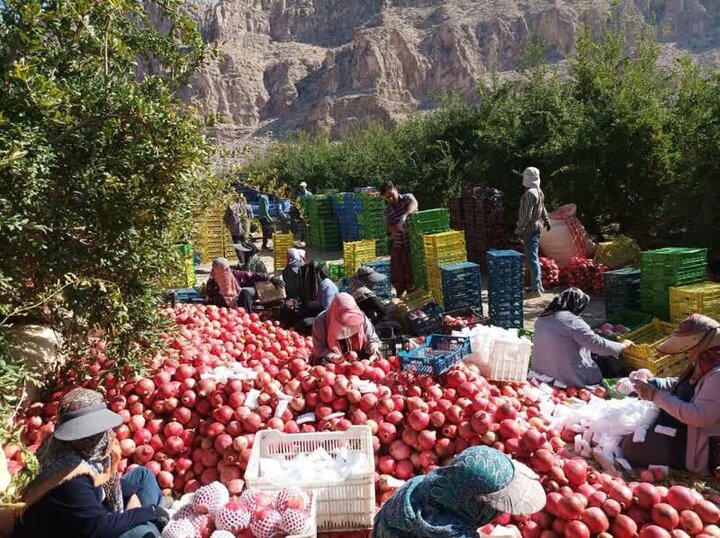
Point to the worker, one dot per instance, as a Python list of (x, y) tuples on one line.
[(284, 209), (455, 500), (292, 274), (266, 221), (77, 491), (303, 190), (341, 329), (318, 288), (689, 418), (238, 216), (563, 343), (362, 284), (397, 209), (531, 218), (228, 287)]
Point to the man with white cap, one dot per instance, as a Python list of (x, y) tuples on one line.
[(689, 418), (304, 190), (531, 217)]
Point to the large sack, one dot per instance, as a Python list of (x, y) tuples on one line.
[(567, 239)]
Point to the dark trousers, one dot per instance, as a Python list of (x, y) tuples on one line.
[(237, 239), (246, 298), (266, 225), (401, 273)]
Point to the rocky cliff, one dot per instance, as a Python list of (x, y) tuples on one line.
[(338, 65)]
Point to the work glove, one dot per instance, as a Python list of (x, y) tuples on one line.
[(278, 282), (162, 516)]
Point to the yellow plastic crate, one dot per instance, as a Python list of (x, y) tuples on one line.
[(356, 253), (644, 353), (281, 243), (703, 298), (441, 249), (621, 252)]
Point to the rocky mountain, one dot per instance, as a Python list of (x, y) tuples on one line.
[(338, 65)]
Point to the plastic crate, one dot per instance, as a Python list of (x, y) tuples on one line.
[(631, 319), (426, 320), (281, 243), (509, 361), (357, 253), (644, 353), (622, 290), (694, 299), (437, 355), (505, 288), (620, 252), (474, 314), (341, 506), (461, 285)]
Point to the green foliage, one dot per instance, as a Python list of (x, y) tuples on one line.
[(100, 163), (626, 140)]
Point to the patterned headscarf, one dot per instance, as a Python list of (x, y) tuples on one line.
[(221, 273), (61, 458), (571, 300), (444, 504)]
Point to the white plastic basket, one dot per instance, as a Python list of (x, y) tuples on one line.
[(311, 528), (341, 506), (509, 360)]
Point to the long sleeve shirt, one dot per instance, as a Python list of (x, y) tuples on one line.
[(532, 212), (319, 336), (246, 279), (74, 508), (237, 218), (264, 207)]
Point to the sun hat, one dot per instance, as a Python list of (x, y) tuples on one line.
[(696, 330), (83, 413), (368, 275)]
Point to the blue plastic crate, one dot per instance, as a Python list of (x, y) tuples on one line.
[(437, 355), (384, 289), (426, 320)]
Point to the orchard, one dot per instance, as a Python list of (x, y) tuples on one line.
[(192, 428)]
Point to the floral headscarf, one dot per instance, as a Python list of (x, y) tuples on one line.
[(62, 460), (571, 300)]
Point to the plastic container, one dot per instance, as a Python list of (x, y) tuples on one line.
[(341, 506), (437, 355), (426, 320), (501, 355), (644, 353), (701, 298), (281, 243)]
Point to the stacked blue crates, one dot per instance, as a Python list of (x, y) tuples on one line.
[(461, 285), (384, 288), (505, 288), (346, 209)]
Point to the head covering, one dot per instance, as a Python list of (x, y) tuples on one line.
[(368, 276), (695, 332), (83, 443), (531, 178), (222, 274), (313, 273), (303, 184), (296, 255), (345, 320), (571, 300), (454, 500)]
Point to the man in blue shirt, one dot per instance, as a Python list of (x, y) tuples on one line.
[(284, 209), (265, 219)]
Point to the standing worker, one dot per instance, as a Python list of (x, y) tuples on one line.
[(237, 220), (304, 190), (265, 220), (532, 216), (398, 207)]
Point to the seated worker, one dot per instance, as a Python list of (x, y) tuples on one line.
[(455, 500), (563, 343), (343, 328), (252, 261), (363, 282), (292, 274), (77, 491), (689, 405), (230, 287), (318, 289)]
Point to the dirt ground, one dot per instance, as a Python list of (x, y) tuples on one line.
[(594, 314)]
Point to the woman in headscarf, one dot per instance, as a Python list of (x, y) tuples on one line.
[(689, 405), (77, 491), (454, 501), (230, 287), (292, 274), (362, 289), (318, 288), (563, 343), (343, 328), (532, 217)]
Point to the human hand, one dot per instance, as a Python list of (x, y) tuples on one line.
[(645, 390), (133, 502), (162, 516), (627, 343), (335, 357), (374, 352)]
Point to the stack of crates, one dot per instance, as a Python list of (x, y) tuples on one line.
[(383, 289), (422, 223), (461, 286), (703, 298), (665, 268), (481, 213), (622, 290), (371, 220), (505, 288), (442, 249), (323, 230), (213, 239), (281, 243), (356, 253), (347, 207)]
